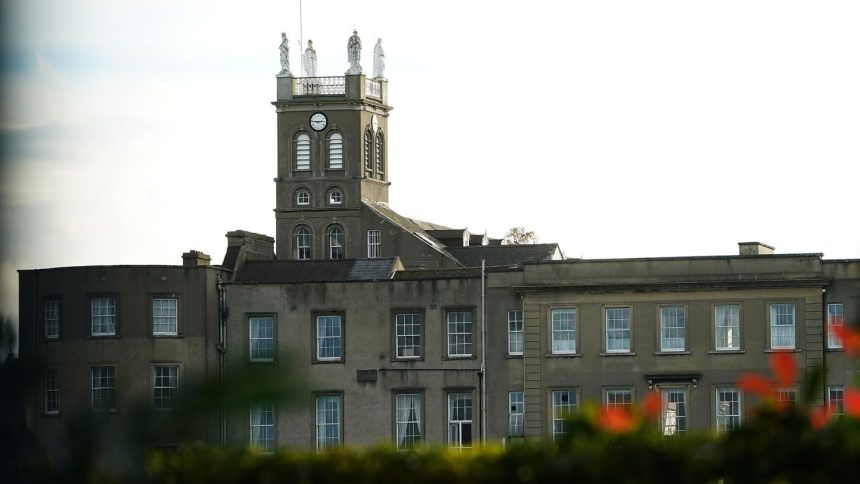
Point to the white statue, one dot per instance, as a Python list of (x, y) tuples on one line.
[(310, 59), (378, 60), (285, 56), (353, 54)]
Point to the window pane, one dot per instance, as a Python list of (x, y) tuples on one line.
[(563, 331), (165, 386), (103, 316), (728, 409), (165, 316), (303, 152), (52, 391), (563, 406), (52, 319), (516, 408), (373, 243), (672, 328), (618, 330), (103, 385), (262, 338), (460, 419), (408, 335), (515, 332), (328, 337), (303, 244), (836, 399), (619, 398), (262, 431), (408, 423), (835, 317), (727, 333), (674, 415), (460, 333), (782, 326), (328, 421)]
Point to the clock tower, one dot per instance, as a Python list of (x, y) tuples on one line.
[(332, 154)]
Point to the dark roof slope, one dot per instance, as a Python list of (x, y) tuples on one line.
[(230, 257), (412, 274), (503, 255), (292, 271)]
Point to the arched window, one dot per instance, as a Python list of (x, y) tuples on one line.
[(335, 151), (335, 197), (335, 242), (303, 152), (380, 153), (303, 243), (368, 150), (303, 198)]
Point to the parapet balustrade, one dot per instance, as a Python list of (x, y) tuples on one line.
[(319, 86)]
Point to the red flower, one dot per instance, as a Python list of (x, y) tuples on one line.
[(852, 402), (850, 338), (652, 405), (757, 384), (818, 417), (616, 420), (784, 367)]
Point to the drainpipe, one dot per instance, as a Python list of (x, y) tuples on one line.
[(223, 312), (484, 351)]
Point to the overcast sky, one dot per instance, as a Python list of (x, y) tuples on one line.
[(134, 131)]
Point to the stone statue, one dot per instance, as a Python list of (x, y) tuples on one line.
[(353, 54), (378, 60), (285, 56), (310, 59)]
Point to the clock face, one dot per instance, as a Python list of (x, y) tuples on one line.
[(319, 121)]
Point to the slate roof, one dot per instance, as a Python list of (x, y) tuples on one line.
[(419, 228), (293, 271), (437, 274), (503, 255)]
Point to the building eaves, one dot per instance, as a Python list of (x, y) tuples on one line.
[(504, 255)]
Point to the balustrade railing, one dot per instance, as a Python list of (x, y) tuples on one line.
[(373, 88), (319, 86)]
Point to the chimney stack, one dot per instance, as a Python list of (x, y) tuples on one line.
[(195, 258), (754, 248)]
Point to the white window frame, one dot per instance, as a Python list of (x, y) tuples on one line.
[(562, 410), (374, 244), (674, 418), (303, 198), (335, 151), (303, 152), (836, 399), (302, 238), (459, 331), (368, 150), (727, 327), (673, 328), (789, 331), (329, 328), (408, 430), (328, 421), (460, 417), (618, 330), (257, 349), (516, 342), (563, 331), (380, 152), (103, 388), (516, 411), (262, 433), (618, 398), (51, 392), (165, 316), (407, 335), (103, 316), (786, 396), (165, 386), (335, 197), (726, 417), (335, 237), (835, 317), (52, 318)]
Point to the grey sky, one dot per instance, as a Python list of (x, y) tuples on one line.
[(136, 130)]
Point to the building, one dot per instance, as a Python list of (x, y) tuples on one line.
[(410, 331)]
